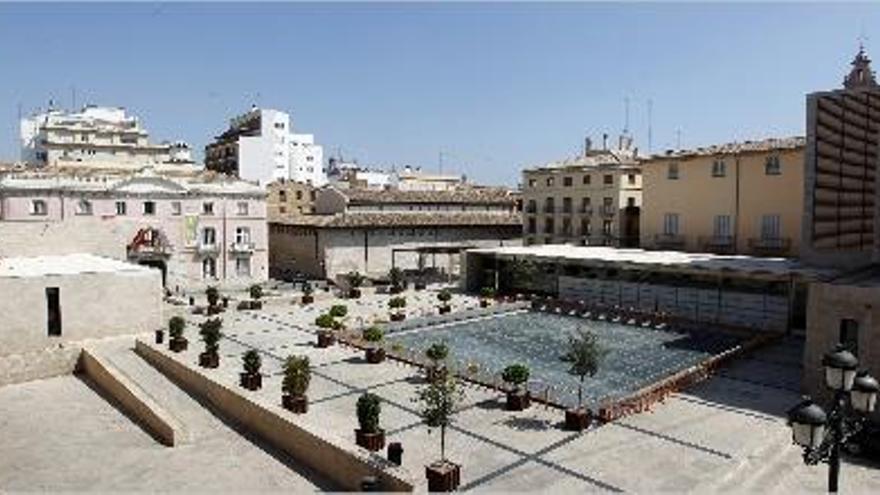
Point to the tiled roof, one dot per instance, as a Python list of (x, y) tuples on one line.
[(735, 148), (475, 195), (388, 219)]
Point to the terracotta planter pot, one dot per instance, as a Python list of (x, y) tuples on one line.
[(433, 374), (308, 299), (370, 441), (298, 404), (177, 345), (209, 360), (518, 401), (443, 476), (375, 355), (445, 309), (354, 293), (250, 381), (160, 336), (577, 419), (326, 339)]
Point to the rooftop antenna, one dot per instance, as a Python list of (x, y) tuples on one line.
[(73, 97), (626, 115), (650, 126), (440, 161), (678, 138)]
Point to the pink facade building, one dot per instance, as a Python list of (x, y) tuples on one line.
[(198, 229)]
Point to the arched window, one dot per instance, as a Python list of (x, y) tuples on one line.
[(849, 335), (209, 236), (38, 207), (84, 207)]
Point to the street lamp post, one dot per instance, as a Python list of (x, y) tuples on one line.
[(821, 435)]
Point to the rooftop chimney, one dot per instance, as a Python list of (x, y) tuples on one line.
[(588, 144)]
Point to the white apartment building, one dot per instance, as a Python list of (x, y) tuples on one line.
[(261, 146), (103, 137)]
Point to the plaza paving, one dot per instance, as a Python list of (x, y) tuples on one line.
[(727, 434)]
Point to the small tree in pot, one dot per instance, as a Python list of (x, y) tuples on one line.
[(297, 375), (338, 310), (437, 353), (355, 281), (517, 397), (213, 296), (369, 436), (251, 379), (439, 401), (374, 353), (307, 290), (486, 295), (444, 296), (256, 293), (395, 276), (176, 341), (210, 333), (584, 355), (326, 324), (397, 304)]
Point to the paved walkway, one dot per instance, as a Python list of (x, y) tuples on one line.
[(62, 435), (692, 441)]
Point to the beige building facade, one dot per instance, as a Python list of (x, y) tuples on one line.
[(286, 198), (735, 198), (594, 199), (51, 301)]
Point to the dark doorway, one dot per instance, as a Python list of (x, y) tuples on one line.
[(629, 227), (158, 264), (53, 311)]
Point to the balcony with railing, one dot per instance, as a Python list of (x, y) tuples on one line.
[(669, 241), (770, 246), (585, 210), (532, 208), (608, 211), (242, 248), (721, 244), (205, 249)]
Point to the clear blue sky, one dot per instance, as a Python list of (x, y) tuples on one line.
[(496, 86)]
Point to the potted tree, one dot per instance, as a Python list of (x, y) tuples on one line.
[(307, 290), (176, 341), (486, 295), (439, 401), (584, 355), (374, 353), (326, 325), (256, 292), (395, 276), (355, 281), (437, 353), (518, 398), (444, 296), (397, 304), (369, 436), (338, 311), (297, 375), (213, 296), (210, 333), (251, 378)]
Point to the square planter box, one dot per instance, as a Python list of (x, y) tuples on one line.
[(443, 476), (325, 339), (375, 355), (249, 381), (308, 299), (445, 309), (295, 404), (209, 360), (178, 345), (370, 441), (160, 336), (518, 401), (433, 374), (484, 303), (577, 419), (398, 316), (214, 310), (354, 293)]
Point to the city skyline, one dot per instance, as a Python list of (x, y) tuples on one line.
[(491, 87)]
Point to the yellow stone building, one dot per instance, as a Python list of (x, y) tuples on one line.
[(742, 198), (287, 199)]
